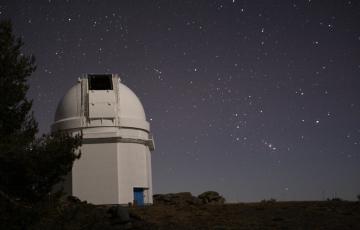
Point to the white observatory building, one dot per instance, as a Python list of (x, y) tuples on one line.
[(115, 163)]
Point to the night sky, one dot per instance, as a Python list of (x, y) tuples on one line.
[(253, 99)]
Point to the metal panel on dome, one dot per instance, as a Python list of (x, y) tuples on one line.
[(102, 104), (101, 96)]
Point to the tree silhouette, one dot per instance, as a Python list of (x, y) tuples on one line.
[(29, 166)]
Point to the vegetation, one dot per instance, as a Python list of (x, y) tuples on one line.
[(279, 215), (29, 166)]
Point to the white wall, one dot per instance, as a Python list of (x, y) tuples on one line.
[(107, 173), (94, 175), (133, 170)]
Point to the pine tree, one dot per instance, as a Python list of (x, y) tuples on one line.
[(15, 117), (29, 166)]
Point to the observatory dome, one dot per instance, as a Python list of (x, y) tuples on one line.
[(115, 165), (92, 103)]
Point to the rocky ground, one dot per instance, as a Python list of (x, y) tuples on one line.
[(184, 211), (264, 215)]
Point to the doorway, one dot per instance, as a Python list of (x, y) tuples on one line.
[(139, 196)]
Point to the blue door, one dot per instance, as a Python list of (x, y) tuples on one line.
[(139, 196)]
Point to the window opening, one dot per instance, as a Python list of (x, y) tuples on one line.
[(100, 82)]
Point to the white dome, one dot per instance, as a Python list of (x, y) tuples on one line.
[(74, 110), (68, 107), (130, 105)]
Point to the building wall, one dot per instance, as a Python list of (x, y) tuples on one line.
[(107, 173), (94, 175), (134, 171)]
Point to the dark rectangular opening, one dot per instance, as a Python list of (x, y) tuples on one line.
[(100, 82)]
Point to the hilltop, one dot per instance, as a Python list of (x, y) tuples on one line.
[(263, 215), (182, 211)]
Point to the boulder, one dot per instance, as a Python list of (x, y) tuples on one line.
[(119, 214), (186, 198), (211, 197), (181, 198)]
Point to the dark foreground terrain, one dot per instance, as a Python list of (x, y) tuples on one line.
[(263, 215), (182, 211)]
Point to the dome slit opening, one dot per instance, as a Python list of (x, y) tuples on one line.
[(100, 82)]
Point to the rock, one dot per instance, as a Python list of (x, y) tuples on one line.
[(119, 214), (211, 197), (182, 198), (185, 198)]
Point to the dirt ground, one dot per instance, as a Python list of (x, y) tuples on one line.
[(263, 215)]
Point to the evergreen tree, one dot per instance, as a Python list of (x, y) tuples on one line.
[(16, 121), (29, 166)]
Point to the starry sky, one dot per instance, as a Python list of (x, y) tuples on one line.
[(253, 99)]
